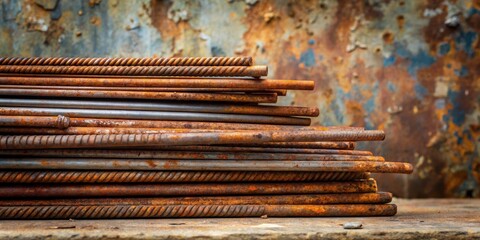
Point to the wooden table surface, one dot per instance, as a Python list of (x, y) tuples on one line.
[(416, 219)]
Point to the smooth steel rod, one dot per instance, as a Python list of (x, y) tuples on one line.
[(203, 165), (195, 211), (169, 139), (96, 176), (154, 115), (159, 82), (146, 154), (177, 96), (183, 189), (196, 71), (160, 61), (309, 199), (162, 106)]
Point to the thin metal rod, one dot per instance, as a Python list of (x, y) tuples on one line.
[(51, 176), (146, 154), (203, 148), (154, 115), (227, 137), (202, 165), (162, 106), (307, 199), (194, 211), (177, 96), (203, 71), (60, 122), (183, 189), (161, 61), (159, 82)]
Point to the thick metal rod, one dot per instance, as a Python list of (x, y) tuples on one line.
[(310, 199), (161, 61), (51, 176), (154, 115), (183, 189), (177, 96), (159, 82), (203, 71), (60, 121), (191, 211), (169, 139), (203, 165), (162, 106), (145, 154)]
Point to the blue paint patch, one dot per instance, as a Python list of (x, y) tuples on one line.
[(389, 61), (391, 87), (472, 11), (401, 51), (462, 72), (320, 57), (449, 65), (419, 61), (464, 41), (311, 41), (440, 103), (443, 49), (420, 91), (457, 113), (308, 58)]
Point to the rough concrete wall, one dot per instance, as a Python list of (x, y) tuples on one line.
[(411, 68)]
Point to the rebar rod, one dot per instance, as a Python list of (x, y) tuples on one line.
[(227, 137), (159, 82), (203, 165), (154, 115), (60, 122), (183, 189), (163, 106), (155, 154), (191, 211), (161, 61), (196, 71), (95, 176), (307, 199), (177, 96)]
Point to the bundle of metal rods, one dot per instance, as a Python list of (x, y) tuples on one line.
[(174, 137)]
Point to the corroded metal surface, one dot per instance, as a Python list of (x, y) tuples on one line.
[(173, 176), (184, 189), (190, 211), (186, 61)]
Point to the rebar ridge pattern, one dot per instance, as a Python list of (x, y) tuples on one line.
[(203, 71), (171, 176), (163, 61)]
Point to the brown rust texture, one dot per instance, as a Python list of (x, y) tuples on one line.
[(410, 68)]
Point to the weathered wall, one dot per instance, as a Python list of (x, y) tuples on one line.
[(411, 68)]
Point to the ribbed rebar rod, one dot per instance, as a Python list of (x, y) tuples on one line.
[(203, 165), (177, 96), (50, 176), (161, 61), (163, 106), (159, 82), (191, 211), (183, 189), (196, 71), (227, 137), (307, 199), (146, 154), (154, 115)]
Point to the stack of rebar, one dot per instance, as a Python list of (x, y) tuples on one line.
[(173, 137)]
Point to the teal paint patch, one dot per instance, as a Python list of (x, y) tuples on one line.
[(443, 49), (389, 61), (464, 42), (462, 72), (440, 103), (391, 87), (308, 58), (457, 113)]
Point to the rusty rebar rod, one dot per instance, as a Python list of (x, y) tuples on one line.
[(159, 82), (154, 115), (51, 176), (227, 137), (307, 199), (203, 165), (196, 71), (177, 96), (163, 106), (155, 154), (60, 122), (183, 189), (178, 211), (201, 148), (161, 61)]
